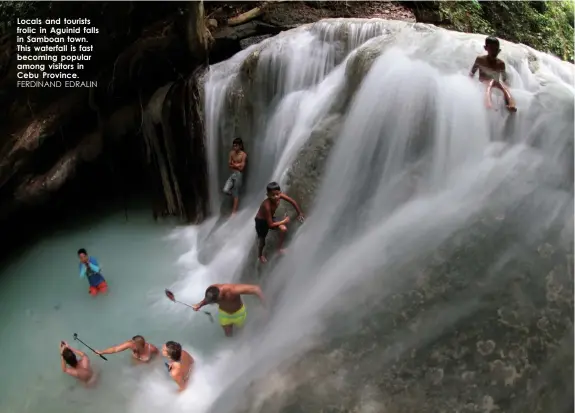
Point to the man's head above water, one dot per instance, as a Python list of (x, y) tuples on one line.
[(172, 350), (83, 255), (212, 295), (492, 46), (69, 357)]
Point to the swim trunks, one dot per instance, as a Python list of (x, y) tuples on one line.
[(262, 227), (100, 288), (238, 318), (233, 184)]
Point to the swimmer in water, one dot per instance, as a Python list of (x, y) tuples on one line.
[(180, 364), (492, 73), (141, 350), (80, 369), (231, 308)]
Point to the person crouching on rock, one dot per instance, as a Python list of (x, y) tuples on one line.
[(180, 364), (492, 73), (237, 163), (90, 268), (265, 219)]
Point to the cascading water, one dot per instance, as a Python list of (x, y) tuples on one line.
[(431, 274)]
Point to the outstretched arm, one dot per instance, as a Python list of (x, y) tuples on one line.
[(269, 217), (202, 303), (247, 289), (291, 201), (116, 349)]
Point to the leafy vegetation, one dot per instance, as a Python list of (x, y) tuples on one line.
[(544, 25)]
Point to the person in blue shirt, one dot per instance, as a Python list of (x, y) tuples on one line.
[(90, 268)]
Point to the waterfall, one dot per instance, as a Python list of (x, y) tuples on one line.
[(437, 231)]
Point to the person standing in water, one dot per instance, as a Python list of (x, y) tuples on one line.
[(237, 163), (141, 350), (180, 364), (80, 369), (90, 268), (232, 310), (265, 219), (492, 73)]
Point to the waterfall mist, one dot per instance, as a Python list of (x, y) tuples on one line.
[(434, 271)]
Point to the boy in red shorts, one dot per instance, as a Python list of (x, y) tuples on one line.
[(90, 268)]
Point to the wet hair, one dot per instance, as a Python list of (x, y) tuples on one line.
[(273, 186), (82, 251), (139, 340), (174, 350), (212, 294), (69, 357), (239, 142), (492, 41)]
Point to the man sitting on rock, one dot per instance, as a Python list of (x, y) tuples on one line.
[(492, 73)]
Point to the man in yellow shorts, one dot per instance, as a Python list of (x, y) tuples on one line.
[(228, 297)]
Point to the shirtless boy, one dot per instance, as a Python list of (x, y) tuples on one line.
[(141, 350), (180, 365), (231, 307), (265, 219), (492, 73), (237, 163), (80, 369)]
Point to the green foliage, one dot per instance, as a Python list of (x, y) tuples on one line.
[(545, 26)]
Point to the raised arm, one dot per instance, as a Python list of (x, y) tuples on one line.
[(248, 289), (474, 68), (116, 349), (292, 201)]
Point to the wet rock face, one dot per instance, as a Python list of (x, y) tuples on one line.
[(484, 324), (471, 330)]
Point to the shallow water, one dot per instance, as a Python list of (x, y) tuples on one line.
[(43, 301)]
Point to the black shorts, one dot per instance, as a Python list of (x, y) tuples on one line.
[(262, 227)]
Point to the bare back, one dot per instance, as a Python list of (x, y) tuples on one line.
[(181, 371), (83, 371), (229, 301)]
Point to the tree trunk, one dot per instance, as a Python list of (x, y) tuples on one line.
[(198, 36), (176, 139)]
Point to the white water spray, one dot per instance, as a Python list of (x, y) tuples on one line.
[(417, 161)]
